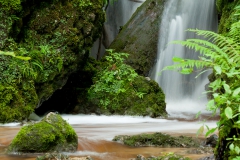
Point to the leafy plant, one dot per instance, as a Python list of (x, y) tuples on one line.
[(113, 80), (222, 55)]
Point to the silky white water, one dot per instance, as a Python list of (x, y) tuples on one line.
[(183, 93)]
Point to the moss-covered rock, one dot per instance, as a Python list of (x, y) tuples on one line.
[(151, 104), (167, 156), (157, 139), (52, 133), (118, 89), (139, 37), (57, 35)]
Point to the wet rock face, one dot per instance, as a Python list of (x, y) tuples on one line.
[(139, 37), (52, 133)]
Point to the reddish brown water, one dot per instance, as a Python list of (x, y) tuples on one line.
[(95, 138)]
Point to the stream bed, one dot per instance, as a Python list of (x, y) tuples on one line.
[(95, 134)]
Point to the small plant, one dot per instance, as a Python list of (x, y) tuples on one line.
[(115, 79)]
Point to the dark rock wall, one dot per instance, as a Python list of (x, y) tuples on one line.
[(139, 37)]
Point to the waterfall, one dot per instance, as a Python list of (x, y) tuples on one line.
[(183, 92)]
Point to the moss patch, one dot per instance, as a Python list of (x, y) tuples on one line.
[(157, 139), (57, 35), (50, 134)]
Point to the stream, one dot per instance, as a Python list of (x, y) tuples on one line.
[(96, 132)]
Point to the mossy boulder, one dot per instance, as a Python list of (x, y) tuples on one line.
[(139, 37), (52, 133), (151, 104), (157, 139)]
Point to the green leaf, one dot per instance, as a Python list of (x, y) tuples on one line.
[(228, 112), (177, 59), (211, 105), (200, 130), (231, 147), (186, 70), (210, 131), (227, 88), (218, 69), (237, 149), (197, 115), (23, 58), (236, 92)]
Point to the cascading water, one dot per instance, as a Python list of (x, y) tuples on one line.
[(182, 92)]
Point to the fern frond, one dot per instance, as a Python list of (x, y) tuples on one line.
[(189, 63), (203, 47), (234, 31)]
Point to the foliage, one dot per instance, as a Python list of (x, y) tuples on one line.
[(222, 55), (10, 4), (112, 81)]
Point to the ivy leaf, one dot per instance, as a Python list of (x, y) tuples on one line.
[(228, 112), (236, 92), (218, 69)]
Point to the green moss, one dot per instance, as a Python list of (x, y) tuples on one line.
[(56, 34), (157, 139), (51, 134), (119, 90), (10, 4), (169, 156)]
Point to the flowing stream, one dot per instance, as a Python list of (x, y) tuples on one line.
[(96, 132), (183, 91)]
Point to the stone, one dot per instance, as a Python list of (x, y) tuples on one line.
[(52, 133), (139, 37)]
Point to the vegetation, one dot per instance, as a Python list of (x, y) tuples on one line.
[(42, 43), (114, 80), (222, 55), (118, 89)]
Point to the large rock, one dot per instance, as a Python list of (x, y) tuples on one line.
[(139, 37), (52, 133), (57, 35)]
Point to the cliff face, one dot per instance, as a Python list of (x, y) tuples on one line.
[(139, 37), (57, 35)]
